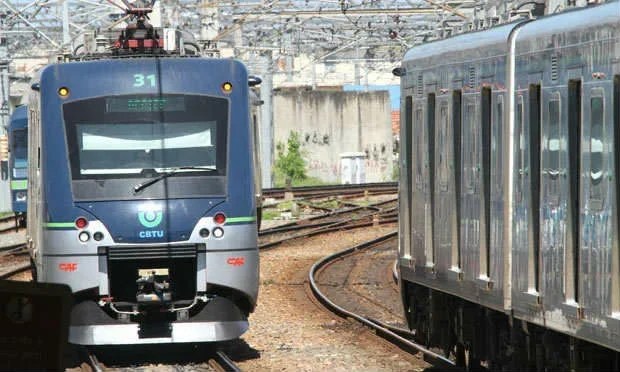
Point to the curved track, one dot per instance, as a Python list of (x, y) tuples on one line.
[(397, 336)]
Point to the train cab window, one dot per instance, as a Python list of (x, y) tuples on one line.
[(597, 148), (121, 136), (19, 148), (115, 142)]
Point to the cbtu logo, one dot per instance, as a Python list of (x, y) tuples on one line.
[(150, 219)]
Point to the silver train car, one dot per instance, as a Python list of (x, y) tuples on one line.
[(509, 229)]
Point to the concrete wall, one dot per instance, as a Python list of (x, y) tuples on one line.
[(334, 122)]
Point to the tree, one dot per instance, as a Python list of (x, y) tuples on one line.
[(290, 161)]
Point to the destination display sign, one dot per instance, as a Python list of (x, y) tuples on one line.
[(144, 103)]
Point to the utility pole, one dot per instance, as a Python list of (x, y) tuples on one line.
[(266, 130), (5, 196)]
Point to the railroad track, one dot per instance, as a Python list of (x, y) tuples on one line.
[(177, 357), (15, 270), (356, 190), (349, 218), (398, 336)]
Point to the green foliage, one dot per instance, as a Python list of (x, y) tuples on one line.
[(395, 170), (269, 215), (290, 161), (280, 181)]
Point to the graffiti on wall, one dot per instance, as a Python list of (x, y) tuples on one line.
[(316, 138), (378, 164)]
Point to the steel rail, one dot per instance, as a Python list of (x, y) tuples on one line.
[(221, 362), (387, 333), (17, 270)]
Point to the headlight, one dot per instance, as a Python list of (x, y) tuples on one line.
[(20, 196)]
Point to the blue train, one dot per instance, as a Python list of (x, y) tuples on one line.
[(144, 193), (18, 162)]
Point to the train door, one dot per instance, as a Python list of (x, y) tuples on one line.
[(554, 191), (444, 186), (430, 183), (595, 289), (496, 253), (526, 198), (418, 204), (406, 187), (471, 187)]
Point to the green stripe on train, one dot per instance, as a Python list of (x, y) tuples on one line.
[(19, 185), (240, 219), (59, 225)]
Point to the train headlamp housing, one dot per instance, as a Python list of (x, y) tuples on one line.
[(227, 87), (219, 218), (20, 196), (98, 236), (63, 92), (84, 236), (218, 232), (81, 222)]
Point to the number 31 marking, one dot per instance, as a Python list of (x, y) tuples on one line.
[(141, 79)]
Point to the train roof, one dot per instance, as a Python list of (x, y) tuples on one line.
[(19, 113), (464, 47), (572, 24)]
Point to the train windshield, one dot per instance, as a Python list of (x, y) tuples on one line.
[(128, 136), (19, 153), (117, 142)]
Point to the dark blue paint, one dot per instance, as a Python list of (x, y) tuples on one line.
[(19, 120), (111, 77)]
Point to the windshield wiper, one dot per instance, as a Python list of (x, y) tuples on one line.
[(171, 172)]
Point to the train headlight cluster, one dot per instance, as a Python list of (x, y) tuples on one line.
[(63, 92), (81, 222), (227, 87), (84, 236), (218, 232), (20, 196), (219, 218)]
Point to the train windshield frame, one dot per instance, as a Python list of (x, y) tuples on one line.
[(122, 139)]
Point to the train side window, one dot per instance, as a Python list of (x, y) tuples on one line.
[(444, 149), (520, 148), (496, 144), (419, 148), (553, 146), (406, 148), (597, 148), (470, 151)]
